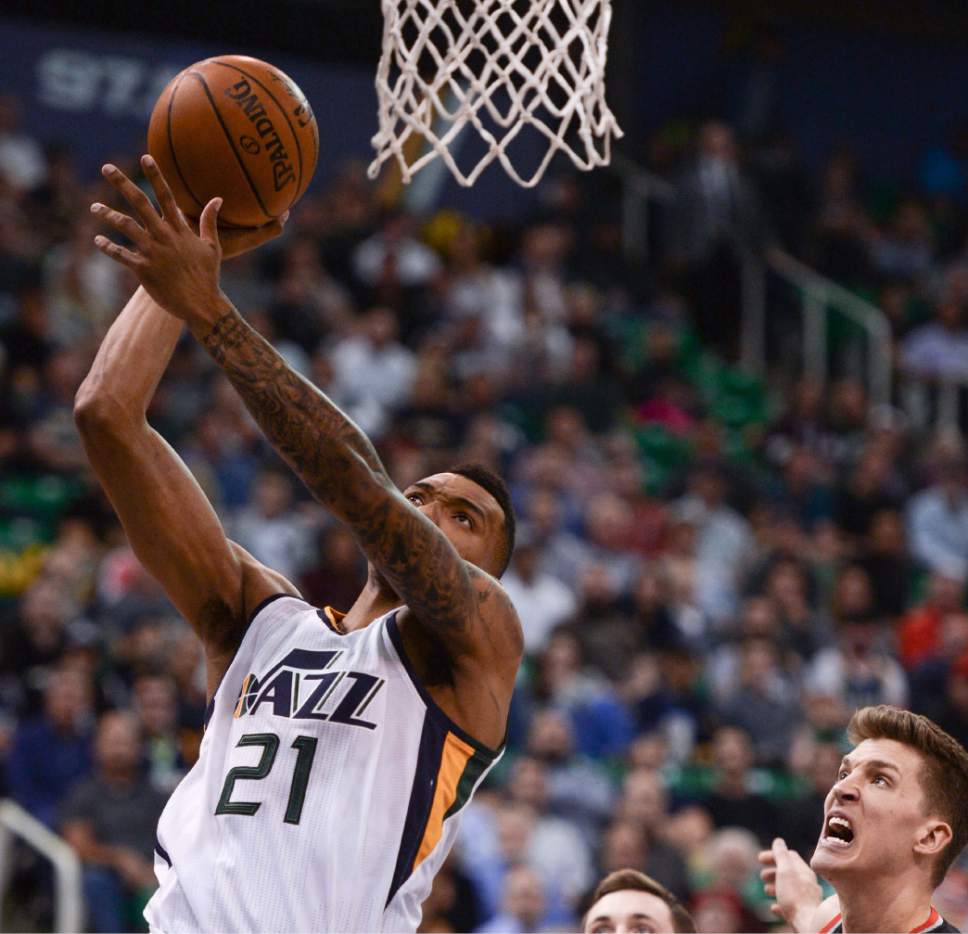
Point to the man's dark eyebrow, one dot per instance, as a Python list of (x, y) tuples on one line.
[(635, 914), (870, 764), (456, 500), (881, 764)]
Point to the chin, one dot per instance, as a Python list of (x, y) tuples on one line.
[(829, 860)]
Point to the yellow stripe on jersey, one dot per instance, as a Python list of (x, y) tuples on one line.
[(454, 760), (242, 694)]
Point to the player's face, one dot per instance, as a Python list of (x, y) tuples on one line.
[(874, 813), (466, 513), (628, 911)]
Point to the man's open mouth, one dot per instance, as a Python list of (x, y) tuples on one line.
[(838, 832)]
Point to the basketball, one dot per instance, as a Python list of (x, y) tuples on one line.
[(237, 128)]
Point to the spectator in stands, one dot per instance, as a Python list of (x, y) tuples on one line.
[(577, 786), (938, 350), (560, 846), (110, 820), (717, 215), (885, 558), (373, 372), (764, 704), (271, 528), (22, 161), (586, 714), (905, 249), (543, 602), (156, 707), (919, 629), (734, 800), (523, 904), (723, 544), (732, 897), (938, 519), (52, 751), (645, 803)]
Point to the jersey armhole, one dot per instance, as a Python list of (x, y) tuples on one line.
[(210, 707), (486, 752)]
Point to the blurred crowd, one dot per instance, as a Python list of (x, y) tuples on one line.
[(712, 571)]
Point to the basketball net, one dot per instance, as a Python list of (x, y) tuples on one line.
[(498, 66)]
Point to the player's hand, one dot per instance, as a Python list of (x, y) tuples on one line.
[(178, 268), (238, 240), (789, 880)]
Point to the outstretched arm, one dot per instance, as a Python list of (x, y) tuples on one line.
[(330, 454), (169, 522)]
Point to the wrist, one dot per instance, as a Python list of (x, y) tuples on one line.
[(206, 320)]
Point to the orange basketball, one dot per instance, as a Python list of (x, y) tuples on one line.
[(237, 128)]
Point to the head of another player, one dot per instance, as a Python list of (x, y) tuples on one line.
[(628, 900), (471, 505), (897, 808)]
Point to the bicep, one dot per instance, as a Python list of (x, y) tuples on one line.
[(171, 526)]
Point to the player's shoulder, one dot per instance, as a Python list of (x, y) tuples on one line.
[(495, 607)]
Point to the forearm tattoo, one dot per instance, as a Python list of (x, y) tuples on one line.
[(341, 468)]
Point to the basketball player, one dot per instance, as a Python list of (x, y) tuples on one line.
[(894, 821), (339, 750), (627, 901)]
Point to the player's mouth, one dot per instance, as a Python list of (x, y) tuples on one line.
[(838, 832)]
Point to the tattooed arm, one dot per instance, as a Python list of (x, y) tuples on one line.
[(461, 604)]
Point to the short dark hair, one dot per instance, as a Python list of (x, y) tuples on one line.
[(944, 780), (486, 478), (623, 880)]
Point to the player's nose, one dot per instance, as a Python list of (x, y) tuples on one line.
[(432, 511), (845, 789)]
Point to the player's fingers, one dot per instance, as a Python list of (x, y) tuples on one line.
[(169, 209), (780, 851), (767, 875), (133, 195), (208, 222), (766, 857), (776, 910), (118, 253), (120, 222), (770, 889)]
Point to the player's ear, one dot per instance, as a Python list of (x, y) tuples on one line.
[(934, 837)]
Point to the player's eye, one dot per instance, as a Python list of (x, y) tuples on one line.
[(415, 498), (882, 779), (464, 519), (842, 774)]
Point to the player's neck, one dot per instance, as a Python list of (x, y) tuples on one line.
[(375, 599), (883, 907)]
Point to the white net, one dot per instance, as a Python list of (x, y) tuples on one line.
[(499, 66)]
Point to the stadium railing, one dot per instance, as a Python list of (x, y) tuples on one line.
[(15, 823)]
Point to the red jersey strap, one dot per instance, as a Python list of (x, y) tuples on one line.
[(934, 921)]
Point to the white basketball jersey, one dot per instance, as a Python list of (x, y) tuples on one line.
[(328, 788)]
